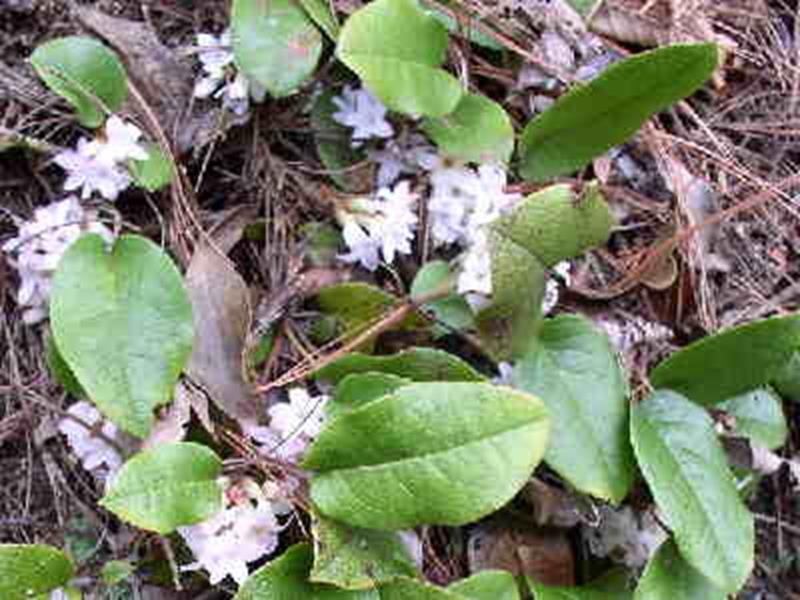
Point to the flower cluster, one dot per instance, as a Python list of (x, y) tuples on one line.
[(380, 226), (242, 532), (220, 77), (39, 246), (94, 452), (98, 165), (364, 113)]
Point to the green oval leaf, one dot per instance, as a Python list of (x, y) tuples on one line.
[(417, 364), (334, 144), (730, 363), (452, 311), (478, 130), (405, 588), (30, 569), (166, 487), (759, 416), (286, 578), (396, 49), (275, 43), (123, 323), (687, 471), (588, 592), (439, 452), (155, 172), (573, 368), (85, 73), (354, 558), (323, 16), (591, 118), (667, 577), (545, 228), (487, 585)]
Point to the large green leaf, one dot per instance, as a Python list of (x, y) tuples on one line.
[(547, 227), (155, 172), (730, 363), (358, 389), (122, 321), (487, 585), (85, 73), (396, 49), (574, 370), (686, 469), (591, 118), (546, 592), (275, 43), (30, 569), (438, 452), (166, 487), (405, 588), (418, 364), (355, 558), (669, 577), (286, 578), (478, 130), (759, 416)]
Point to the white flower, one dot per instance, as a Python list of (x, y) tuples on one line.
[(244, 531), (297, 422), (90, 174), (403, 155), (475, 277), (121, 143), (384, 225), (93, 451), (363, 112), (220, 78), (551, 287), (39, 246), (505, 374)]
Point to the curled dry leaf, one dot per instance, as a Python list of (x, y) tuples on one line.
[(543, 555), (170, 426), (222, 315), (552, 506)]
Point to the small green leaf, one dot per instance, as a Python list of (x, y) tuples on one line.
[(787, 382), (573, 368), (85, 73), (445, 453), (471, 33), (591, 118), (375, 42), (166, 487), (687, 472), (759, 416), (117, 571), (123, 323), (546, 592), (334, 143), (286, 578), (153, 173), (545, 228), (452, 310), (487, 585), (30, 569), (417, 364), (357, 559), (360, 388), (60, 370), (478, 130), (668, 577), (358, 305), (275, 43), (583, 7), (730, 363)]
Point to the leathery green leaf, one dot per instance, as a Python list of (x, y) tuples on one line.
[(122, 321), (354, 558), (30, 569), (721, 366), (487, 585), (591, 118), (573, 368), (286, 578), (759, 416), (275, 43), (405, 76), (687, 472), (667, 576), (166, 487), (85, 73), (439, 452)]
